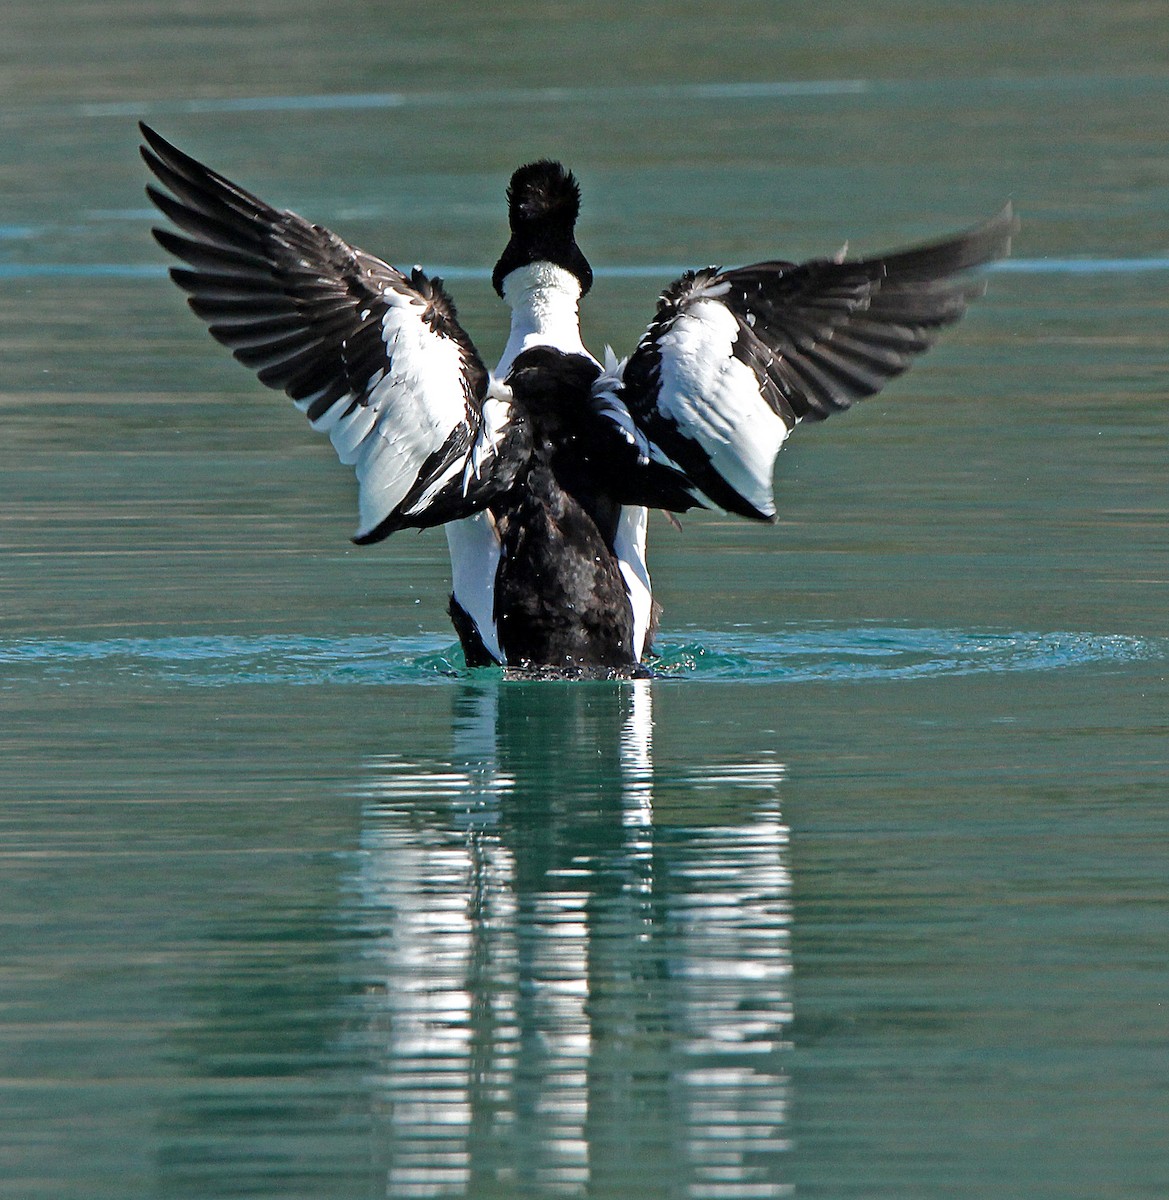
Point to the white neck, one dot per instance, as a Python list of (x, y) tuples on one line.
[(543, 299)]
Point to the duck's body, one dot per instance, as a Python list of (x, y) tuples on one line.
[(552, 574), (542, 471)]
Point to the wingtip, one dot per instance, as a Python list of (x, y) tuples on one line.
[(966, 251), (1011, 221), (157, 153), (997, 232), (1008, 216), (153, 139)]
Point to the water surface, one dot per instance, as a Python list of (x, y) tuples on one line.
[(862, 895)]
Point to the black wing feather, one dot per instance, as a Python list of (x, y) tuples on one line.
[(327, 323), (812, 338)]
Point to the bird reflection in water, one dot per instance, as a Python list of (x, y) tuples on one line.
[(576, 960)]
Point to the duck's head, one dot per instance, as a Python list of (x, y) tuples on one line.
[(543, 202)]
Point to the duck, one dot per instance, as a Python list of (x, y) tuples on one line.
[(543, 471)]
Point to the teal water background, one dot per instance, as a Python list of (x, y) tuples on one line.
[(865, 896)]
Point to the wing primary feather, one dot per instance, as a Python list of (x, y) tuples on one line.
[(374, 358), (210, 256), (809, 339)]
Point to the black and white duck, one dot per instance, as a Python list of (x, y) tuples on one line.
[(543, 470)]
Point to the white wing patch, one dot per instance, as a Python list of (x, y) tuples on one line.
[(629, 546), (408, 413), (475, 552), (714, 398)]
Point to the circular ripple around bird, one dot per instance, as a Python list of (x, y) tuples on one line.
[(866, 653)]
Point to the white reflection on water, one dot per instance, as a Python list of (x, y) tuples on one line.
[(570, 986)]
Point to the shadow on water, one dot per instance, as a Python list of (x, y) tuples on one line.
[(565, 968)]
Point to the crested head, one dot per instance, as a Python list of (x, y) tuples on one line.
[(543, 191), (543, 203)]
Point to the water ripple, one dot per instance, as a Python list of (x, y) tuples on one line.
[(220, 661), (872, 652), (864, 653)]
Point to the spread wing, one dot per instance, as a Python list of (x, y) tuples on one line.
[(375, 358), (734, 359)]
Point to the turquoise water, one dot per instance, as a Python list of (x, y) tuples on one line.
[(792, 656), (862, 895)]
